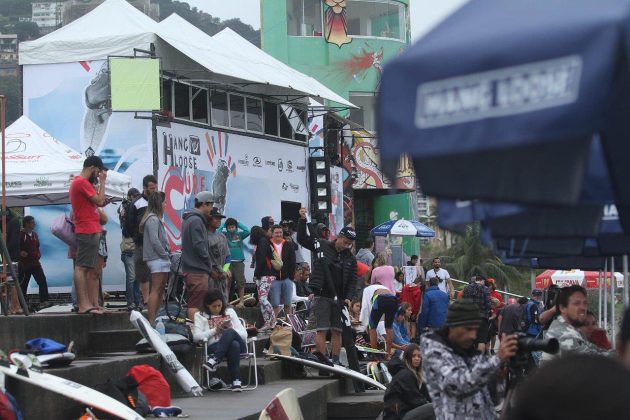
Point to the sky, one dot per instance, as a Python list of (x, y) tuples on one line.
[(424, 13)]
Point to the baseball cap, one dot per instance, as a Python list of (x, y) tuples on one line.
[(348, 232), (93, 161), (537, 292), (215, 213), (205, 197)]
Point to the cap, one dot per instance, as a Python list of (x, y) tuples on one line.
[(537, 292), (93, 161), (348, 232), (322, 226), (463, 312), (205, 197), (215, 213)]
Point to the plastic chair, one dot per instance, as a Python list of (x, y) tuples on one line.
[(251, 356)]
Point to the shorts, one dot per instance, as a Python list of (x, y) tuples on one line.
[(196, 288), (143, 274), (159, 266), (327, 314), (237, 268), (482, 332), (281, 289), (87, 249), (384, 305)]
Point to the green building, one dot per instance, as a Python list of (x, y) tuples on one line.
[(344, 44)]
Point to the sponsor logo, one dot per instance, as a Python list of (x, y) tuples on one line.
[(181, 152), (42, 181), (294, 187), (270, 163), (610, 212), (244, 162), (289, 166), (16, 184), (284, 186), (257, 162), (301, 168), (280, 165), (499, 93)]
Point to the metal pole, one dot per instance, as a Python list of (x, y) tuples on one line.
[(606, 294), (599, 299), (626, 296), (613, 300), (3, 103)]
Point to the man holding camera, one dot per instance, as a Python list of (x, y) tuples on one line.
[(572, 306), (457, 375)]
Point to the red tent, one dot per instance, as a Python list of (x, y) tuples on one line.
[(562, 278)]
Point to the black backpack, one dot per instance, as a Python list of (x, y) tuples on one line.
[(131, 222)]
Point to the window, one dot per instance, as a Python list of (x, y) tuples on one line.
[(182, 101), (304, 17), (365, 115), (200, 105), (286, 130), (254, 115), (220, 109), (382, 18), (271, 119), (237, 111), (167, 95)]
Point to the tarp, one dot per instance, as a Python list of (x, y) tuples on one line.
[(562, 278), (39, 168), (116, 28)]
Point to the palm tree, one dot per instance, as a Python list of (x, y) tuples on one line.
[(468, 257)]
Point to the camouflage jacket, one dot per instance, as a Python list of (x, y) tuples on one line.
[(457, 381), (570, 339)]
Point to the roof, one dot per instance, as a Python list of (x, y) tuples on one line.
[(116, 28)]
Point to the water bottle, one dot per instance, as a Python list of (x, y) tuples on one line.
[(343, 357), (161, 329)]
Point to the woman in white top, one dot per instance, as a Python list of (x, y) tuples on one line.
[(225, 334)]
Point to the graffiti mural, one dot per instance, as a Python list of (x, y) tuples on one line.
[(358, 65), (336, 31)]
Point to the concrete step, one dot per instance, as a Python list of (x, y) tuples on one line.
[(37, 403), (312, 395), (365, 406), (111, 341)]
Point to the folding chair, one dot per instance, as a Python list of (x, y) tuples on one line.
[(307, 336), (251, 356)]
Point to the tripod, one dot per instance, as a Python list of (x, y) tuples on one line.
[(517, 371)]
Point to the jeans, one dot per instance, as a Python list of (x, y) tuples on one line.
[(229, 346), (37, 272), (132, 290), (281, 289), (424, 412)]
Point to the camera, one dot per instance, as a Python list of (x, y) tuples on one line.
[(528, 344)]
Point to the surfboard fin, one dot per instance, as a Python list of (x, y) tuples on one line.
[(4, 360), (35, 363)]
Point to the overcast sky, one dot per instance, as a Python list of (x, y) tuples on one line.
[(424, 13)]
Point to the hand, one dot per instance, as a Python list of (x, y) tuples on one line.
[(215, 275), (508, 347), (102, 176), (23, 254), (348, 302), (310, 297), (221, 327), (303, 213)]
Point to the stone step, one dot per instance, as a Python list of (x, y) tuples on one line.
[(111, 341), (364, 406)]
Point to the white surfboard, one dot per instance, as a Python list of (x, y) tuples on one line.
[(341, 370), (47, 360), (184, 378), (370, 350), (284, 406), (70, 389)]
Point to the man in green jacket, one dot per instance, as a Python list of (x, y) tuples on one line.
[(236, 233)]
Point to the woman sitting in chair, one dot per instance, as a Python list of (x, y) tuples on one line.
[(225, 335)]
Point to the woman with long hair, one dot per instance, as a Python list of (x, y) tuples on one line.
[(156, 252), (226, 336), (407, 396), (259, 235)]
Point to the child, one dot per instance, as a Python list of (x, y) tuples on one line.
[(401, 328)]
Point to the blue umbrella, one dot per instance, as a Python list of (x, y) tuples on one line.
[(403, 228), (501, 102)]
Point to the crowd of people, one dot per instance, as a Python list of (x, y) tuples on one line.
[(440, 343)]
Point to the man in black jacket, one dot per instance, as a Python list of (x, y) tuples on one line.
[(333, 280)]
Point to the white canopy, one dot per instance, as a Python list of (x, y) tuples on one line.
[(39, 168), (116, 28)]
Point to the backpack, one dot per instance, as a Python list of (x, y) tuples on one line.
[(152, 384), (8, 407), (131, 223), (531, 326), (125, 391), (44, 346)]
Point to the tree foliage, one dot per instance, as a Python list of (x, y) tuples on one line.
[(10, 87)]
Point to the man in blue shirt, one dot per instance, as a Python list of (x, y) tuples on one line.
[(434, 307)]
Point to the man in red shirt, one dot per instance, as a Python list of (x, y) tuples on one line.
[(85, 200)]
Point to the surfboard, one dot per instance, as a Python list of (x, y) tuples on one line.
[(338, 369), (184, 378), (283, 406), (370, 350), (47, 360), (379, 372), (70, 389)]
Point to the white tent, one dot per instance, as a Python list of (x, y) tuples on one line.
[(116, 28), (39, 168)]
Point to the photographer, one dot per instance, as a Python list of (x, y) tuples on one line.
[(572, 307), (458, 376)]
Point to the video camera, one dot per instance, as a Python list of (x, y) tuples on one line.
[(528, 344)]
